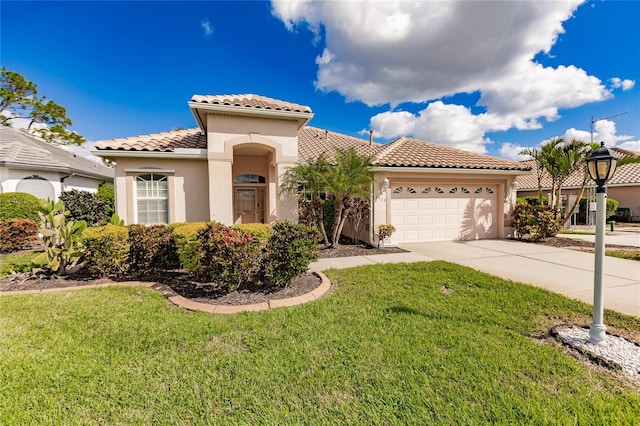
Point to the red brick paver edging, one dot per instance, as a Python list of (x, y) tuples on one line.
[(191, 305)]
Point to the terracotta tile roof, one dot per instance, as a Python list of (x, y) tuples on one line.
[(408, 152), (313, 141), (18, 149), (161, 142), (624, 175), (623, 153), (250, 101)]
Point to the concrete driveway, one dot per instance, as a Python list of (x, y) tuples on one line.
[(562, 271)]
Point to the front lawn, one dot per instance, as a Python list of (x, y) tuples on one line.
[(425, 343)]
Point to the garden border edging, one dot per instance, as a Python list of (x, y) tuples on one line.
[(191, 305)]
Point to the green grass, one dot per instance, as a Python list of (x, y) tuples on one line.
[(15, 262), (575, 232), (425, 343), (625, 254)]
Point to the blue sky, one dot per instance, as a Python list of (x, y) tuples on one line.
[(491, 77)]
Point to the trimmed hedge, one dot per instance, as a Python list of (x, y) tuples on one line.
[(106, 250), (185, 236), (152, 249), (16, 234), (107, 194), (288, 253), (534, 222), (259, 231), (229, 256), (19, 205)]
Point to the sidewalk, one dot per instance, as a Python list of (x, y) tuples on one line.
[(629, 236)]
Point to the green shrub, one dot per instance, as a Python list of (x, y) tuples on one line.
[(16, 234), (229, 256), (612, 206), (534, 222), (19, 204), (288, 253), (106, 250), (107, 194), (83, 205), (259, 231), (152, 249), (187, 245), (61, 238)]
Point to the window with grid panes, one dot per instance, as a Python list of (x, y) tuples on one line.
[(152, 197)]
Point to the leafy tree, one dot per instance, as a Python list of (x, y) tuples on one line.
[(341, 181), (19, 99), (349, 178), (308, 181), (559, 159)]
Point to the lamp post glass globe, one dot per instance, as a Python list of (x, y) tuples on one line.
[(601, 165)]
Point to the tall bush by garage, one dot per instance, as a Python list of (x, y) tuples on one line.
[(288, 253), (229, 256), (86, 206), (19, 204), (534, 222), (106, 250), (152, 249), (185, 236), (16, 234)]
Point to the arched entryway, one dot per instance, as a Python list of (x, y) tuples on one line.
[(252, 171)]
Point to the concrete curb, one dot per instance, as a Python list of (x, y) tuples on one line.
[(191, 305)]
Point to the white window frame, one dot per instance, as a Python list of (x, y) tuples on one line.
[(154, 193)]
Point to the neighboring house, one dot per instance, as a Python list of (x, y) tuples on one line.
[(29, 164), (229, 169), (624, 185)]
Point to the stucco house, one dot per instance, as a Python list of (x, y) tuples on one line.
[(229, 168), (623, 186), (29, 164)]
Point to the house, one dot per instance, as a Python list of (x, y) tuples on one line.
[(29, 164), (624, 185), (228, 169)]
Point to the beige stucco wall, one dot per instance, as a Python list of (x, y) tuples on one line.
[(627, 196), (227, 136), (188, 188)]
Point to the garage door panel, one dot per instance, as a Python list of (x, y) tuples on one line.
[(447, 215)]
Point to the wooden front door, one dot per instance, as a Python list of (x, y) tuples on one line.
[(248, 205)]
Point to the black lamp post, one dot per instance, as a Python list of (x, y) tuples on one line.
[(601, 165)]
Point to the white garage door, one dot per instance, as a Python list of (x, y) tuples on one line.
[(443, 212)]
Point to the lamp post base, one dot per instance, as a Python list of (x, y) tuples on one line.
[(597, 334)]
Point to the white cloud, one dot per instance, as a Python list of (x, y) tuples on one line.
[(394, 52), (626, 84), (631, 146), (512, 151), (207, 27), (447, 124)]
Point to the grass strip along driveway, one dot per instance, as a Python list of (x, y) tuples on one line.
[(393, 344)]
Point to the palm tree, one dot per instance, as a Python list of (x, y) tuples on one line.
[(308, 181), (349, 177)]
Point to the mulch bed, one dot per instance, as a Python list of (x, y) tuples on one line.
[(180, 281)]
